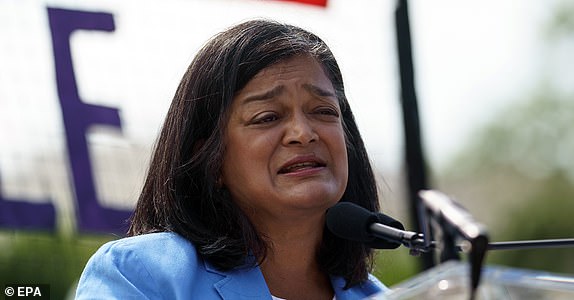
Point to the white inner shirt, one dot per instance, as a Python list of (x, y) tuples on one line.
[(277, 298)]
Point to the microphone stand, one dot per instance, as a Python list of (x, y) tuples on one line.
[(531, 244), (416, 244), (455, 222)]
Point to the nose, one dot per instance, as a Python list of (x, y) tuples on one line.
[(299, 131)]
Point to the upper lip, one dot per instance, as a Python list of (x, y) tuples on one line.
[(300, 160)]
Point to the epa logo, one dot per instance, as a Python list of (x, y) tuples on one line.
[(36, 291)]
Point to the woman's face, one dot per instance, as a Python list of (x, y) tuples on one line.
[(285, 152)]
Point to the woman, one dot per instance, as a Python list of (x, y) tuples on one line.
[(258, 143)]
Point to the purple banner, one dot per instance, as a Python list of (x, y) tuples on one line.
[(79, 116)]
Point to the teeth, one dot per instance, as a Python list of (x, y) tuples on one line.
[(300, 166)]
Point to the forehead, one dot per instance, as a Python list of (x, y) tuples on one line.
[(297, 67)]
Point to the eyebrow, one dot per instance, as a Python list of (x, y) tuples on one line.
[(265, 95), (316, 90)]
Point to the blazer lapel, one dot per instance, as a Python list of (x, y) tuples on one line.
[(241, 283), (360, 291)]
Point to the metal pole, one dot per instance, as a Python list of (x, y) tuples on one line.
[(414, 158)]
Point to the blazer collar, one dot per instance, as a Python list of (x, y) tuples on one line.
[(338, 284), (360, 291), (248, 283), (240, 283)]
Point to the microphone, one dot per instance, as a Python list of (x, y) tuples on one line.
[(353, 222)]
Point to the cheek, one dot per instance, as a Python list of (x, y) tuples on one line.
[(247, 157), (339, 152), (340, 143)]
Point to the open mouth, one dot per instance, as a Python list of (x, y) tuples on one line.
[(300, 166)]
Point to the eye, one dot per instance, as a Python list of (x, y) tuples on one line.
[(264, 118), (327, 111)]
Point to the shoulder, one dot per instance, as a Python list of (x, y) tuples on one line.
[(153, 265), (151, 247), (154, 252)]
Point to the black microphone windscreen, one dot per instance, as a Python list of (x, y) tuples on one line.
[(386, 220), (350, 221)]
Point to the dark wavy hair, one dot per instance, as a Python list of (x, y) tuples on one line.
[(181, 192)]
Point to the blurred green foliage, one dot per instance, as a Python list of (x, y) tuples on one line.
[(548, 214), (517, 175), (395, 266), (45, 258), (562, 22)]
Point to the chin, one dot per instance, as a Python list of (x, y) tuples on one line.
[(316, 198)]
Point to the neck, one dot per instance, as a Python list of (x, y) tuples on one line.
[(295, 248), (291, 269), (291, 241)]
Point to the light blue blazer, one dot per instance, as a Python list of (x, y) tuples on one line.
[(166, 266)]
